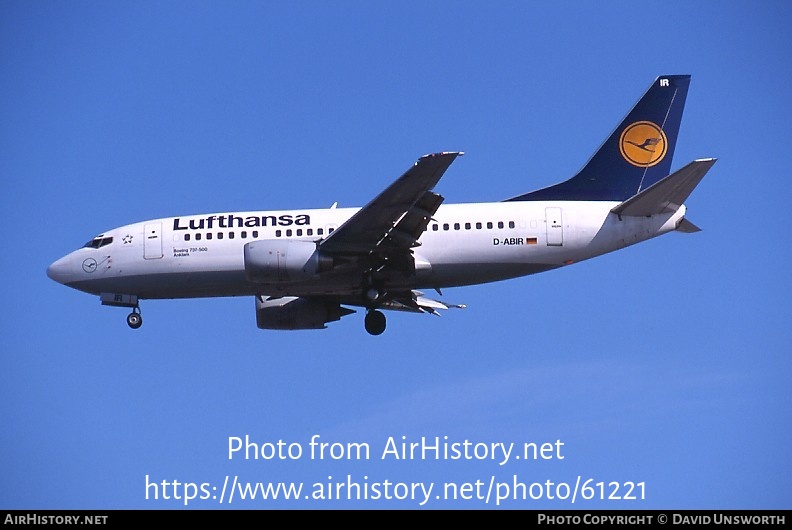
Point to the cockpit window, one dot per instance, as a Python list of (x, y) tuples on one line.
[(98, 242)]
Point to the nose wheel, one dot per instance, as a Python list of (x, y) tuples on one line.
[(135, 319), (375, 322)]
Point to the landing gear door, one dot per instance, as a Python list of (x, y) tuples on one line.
[(555, 227), (152, 241)]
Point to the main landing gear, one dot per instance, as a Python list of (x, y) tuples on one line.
[(375, 322)]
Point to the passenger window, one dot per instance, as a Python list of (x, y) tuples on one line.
[(467, 226), (230, 235), (197, 237), (219, 235), (478, 226), (500, 224), (456, 226), (278, 233), (288, 232), (445, 226), (255, 234), (489, 225), (511, 224), (243, 234), (186, 237)]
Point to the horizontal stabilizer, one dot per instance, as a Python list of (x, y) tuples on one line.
[(687, 227), (668, 194)]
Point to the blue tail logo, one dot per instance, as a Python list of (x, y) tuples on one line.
[(643, 144)]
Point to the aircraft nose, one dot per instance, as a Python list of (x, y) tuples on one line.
[(58, 270)]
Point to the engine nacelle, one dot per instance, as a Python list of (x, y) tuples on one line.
[(283, 260), (291, 312)]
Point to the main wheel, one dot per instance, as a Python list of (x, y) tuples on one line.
[(134, 320), (375, 322)]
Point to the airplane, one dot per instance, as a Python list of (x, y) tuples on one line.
[(306, 268)]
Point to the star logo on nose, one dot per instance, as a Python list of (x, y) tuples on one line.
[(127, 239)]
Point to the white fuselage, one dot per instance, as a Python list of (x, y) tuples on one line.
[(464, 244)]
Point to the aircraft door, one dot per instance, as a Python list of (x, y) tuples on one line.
[(152, 241), (555, 227)]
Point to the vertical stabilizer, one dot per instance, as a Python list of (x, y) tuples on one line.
[(635, 156)]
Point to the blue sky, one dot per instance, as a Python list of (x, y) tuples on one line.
[(667, 363)]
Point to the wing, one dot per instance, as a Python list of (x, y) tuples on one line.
[(391, 224)]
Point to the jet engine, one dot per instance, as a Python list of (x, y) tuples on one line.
[(291, 312), (275, 260)]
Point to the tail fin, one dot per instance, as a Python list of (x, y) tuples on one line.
[(636, 155)]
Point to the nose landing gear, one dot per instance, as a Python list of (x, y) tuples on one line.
[(135, 319)]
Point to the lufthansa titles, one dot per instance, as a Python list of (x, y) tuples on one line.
[(238, 221)]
